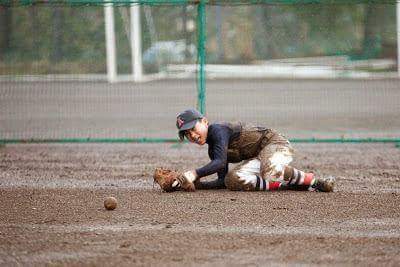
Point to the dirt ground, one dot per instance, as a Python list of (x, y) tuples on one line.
[(52, 211)]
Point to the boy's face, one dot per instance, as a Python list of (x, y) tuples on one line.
[(198, 134)]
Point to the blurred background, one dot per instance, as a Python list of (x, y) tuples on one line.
[(308, 70), (71, 40)]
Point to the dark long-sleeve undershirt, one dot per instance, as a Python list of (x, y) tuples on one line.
[(218, 140)]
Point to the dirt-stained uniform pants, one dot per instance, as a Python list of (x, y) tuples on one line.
[(258, 173)]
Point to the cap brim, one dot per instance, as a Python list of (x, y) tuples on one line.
[(186, 126)]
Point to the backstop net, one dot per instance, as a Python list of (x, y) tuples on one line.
[(321, 70), (55, 65), (310, 69)]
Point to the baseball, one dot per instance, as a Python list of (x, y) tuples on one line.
[(110, 203)]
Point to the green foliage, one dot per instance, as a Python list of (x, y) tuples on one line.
[(38, 34), (32, 41), (262, 32)]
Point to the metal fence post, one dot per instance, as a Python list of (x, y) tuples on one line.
[(201, 56)]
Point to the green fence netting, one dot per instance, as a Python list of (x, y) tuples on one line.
[(317, 71)]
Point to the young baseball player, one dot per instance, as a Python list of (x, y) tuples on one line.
[(263, 156)]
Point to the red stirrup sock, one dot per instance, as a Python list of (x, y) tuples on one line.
[(309, 179), (263, 185), (274, 185)]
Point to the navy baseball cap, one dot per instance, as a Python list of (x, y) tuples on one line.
[(187, 120)]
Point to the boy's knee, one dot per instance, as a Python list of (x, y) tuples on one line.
[(275, 165), (234, 182)]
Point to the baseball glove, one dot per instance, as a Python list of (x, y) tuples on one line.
[(170, 180)]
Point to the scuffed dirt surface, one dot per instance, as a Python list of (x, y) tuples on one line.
[(52, 209)]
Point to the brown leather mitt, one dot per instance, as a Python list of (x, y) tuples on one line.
[(170, 180)]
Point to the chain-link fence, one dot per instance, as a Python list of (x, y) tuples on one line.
[(326, 69)]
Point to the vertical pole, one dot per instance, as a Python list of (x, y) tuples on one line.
[(201, 56), (136, 43), (398, 36), (110, 43)]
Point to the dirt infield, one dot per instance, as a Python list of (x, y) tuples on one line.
[(52, 209)]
